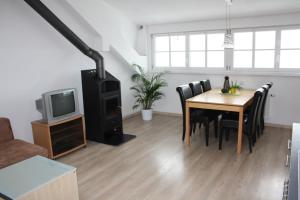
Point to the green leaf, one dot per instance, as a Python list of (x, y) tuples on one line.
[(147, 89)]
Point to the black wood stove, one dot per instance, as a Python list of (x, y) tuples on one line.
[(103, 109)]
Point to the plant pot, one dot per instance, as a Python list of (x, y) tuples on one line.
[(147, 115)]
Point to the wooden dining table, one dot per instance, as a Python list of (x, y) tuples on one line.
[(215, 100)]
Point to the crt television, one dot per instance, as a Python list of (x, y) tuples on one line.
[(58, 104)]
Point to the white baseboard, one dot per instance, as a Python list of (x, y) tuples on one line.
[(131, 115), (279, 126), (167, 114)]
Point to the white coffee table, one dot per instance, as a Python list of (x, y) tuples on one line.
[(38, 178)]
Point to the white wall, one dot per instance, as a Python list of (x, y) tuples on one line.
[(34, 58), (116, 30), (282, 109)]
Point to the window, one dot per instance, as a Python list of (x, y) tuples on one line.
[(162, 54), (205, 50), (201, 50), (264, 49), (177, 51), (170, 51), (215, 50), (254, 49), (197, 50), (290, 49), (243, 48)]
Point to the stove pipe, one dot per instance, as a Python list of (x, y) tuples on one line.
[(52, 19)]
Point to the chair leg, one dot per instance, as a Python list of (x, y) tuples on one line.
[(206, 132), (183, 130), (227, 131), (216, 121), (194, 127), (250, 143), (191, 128), (220, 138), (258, 130), (254, 137)]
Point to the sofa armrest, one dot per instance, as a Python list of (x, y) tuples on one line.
[(6, 133)]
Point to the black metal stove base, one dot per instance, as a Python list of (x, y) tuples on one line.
[(118, 139)]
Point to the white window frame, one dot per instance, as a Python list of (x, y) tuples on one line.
[(231, 64), (279, 49), (276, 56), (214, 68), (228, 55), (189, 51)]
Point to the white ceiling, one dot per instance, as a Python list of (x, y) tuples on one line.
[(167, 11)]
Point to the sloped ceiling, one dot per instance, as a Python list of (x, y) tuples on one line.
[(168, 11)]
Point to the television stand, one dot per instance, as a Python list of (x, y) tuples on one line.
[(60, 137)]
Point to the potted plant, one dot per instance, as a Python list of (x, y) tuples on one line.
[(147, 90)]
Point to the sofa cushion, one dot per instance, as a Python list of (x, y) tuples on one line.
[(6, 133), (17, 150)]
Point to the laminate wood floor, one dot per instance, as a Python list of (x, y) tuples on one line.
[(157, 165)]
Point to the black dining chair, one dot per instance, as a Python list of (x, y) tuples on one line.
[(260, 109), (196, 115), (267, 87), (196, 88), (270, 84), (230, 121), (185, 93), (205, 85), (209, 114)]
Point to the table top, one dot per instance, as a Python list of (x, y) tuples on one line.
[(28, 175), (215, 96)]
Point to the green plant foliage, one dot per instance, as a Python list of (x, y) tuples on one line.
[(147, 88), (235, 85)]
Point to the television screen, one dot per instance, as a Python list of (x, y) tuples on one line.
[(63, 103)]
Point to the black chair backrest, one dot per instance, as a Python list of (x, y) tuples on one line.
[(185, 92), (206, 85), (270, 84), (196, 88), (266, 88), (252, 117), (261, 105)]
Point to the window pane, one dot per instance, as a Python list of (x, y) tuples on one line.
[(215, 59), (264, 59), (178, 43), (197, 59), (197, 42), (178, 59), (215, 41), (243, 40), (162, 59), (242, 59), (290, 59), (290, 39), (265, 40), (162, 43)]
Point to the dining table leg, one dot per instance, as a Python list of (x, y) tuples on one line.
[(187, 124), (240, 131)]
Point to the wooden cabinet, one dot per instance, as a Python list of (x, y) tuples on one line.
[(60, 137)]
